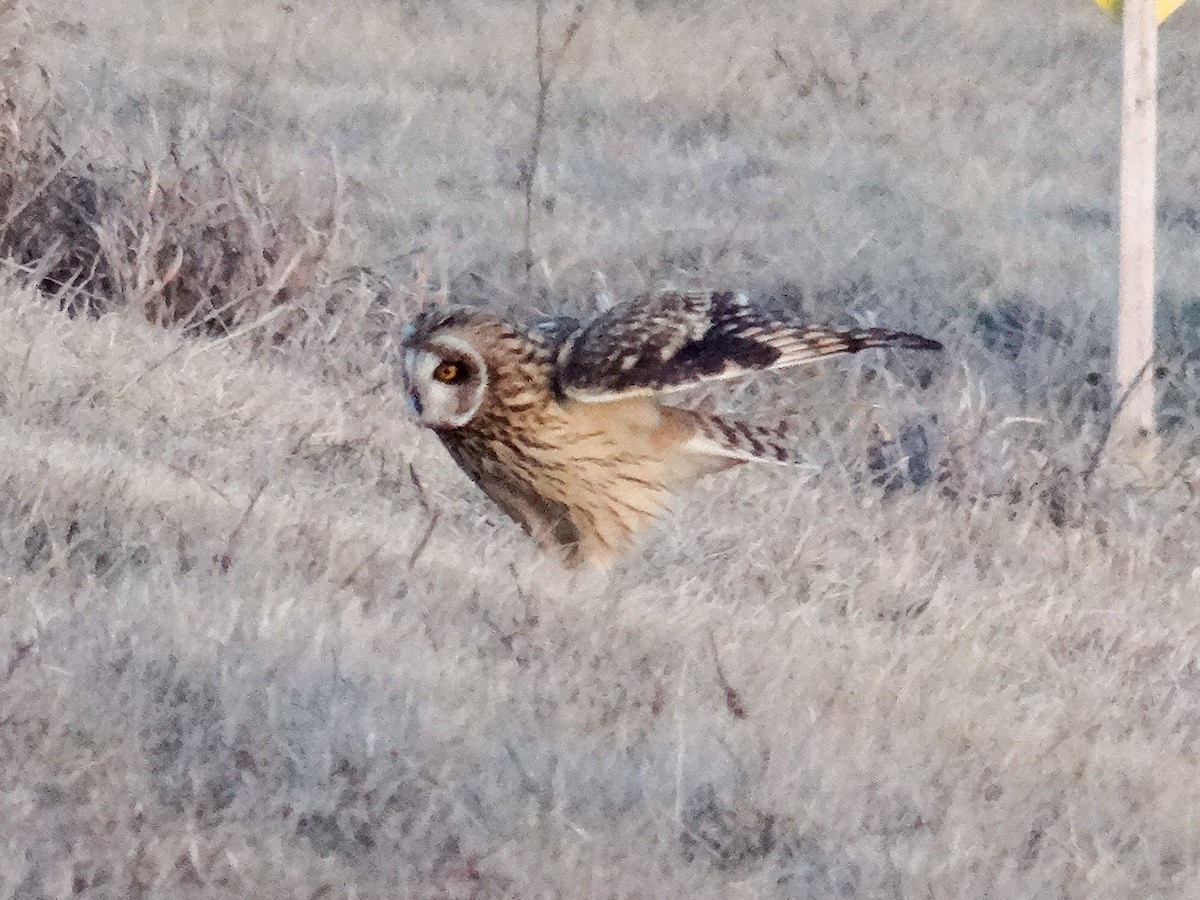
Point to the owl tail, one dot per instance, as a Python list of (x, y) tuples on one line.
[(724, 442)]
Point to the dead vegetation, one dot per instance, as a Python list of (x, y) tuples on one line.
[(50, 204), (205, 249), (184, 241)]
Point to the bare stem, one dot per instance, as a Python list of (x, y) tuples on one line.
[(1098, 453), (545, 78)]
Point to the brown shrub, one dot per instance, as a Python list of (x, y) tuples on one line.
[(195, 244), (49, 202)]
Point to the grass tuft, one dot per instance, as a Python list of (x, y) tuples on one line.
[(188, 241)]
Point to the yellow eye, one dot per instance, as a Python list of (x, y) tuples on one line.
[(447, 373)]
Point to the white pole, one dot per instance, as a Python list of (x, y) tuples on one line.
[(1135, 322)]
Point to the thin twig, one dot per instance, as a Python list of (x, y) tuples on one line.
[(20, 207), (226, 559), (421, 544), (543, 794), (568, 36), (545, 79), (531, 618), (733, 700), (20, 652), (418, 487), (1094, 463), (188, 473), (802, 88), (154, 366), (535, 141), (358, 568), (527, 783), (38, 276)]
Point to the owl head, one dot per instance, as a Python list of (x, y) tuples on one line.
[(445, 375)]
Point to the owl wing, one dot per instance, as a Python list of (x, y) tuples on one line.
[(674, 341)]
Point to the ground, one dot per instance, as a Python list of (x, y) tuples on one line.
[(259, 637)]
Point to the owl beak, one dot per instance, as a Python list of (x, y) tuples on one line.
[(410, 359)]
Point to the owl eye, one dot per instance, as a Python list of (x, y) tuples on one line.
[(451, 373)]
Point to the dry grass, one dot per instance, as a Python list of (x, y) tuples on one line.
[(186, 240), (930, 665)]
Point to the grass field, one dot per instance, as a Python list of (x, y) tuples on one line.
[(260, 638)]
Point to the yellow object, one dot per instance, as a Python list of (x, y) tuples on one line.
[(1163, 7)]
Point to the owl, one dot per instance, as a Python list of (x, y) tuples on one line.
[(563, 424)]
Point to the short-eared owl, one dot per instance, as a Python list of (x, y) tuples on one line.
[(560, 423)]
